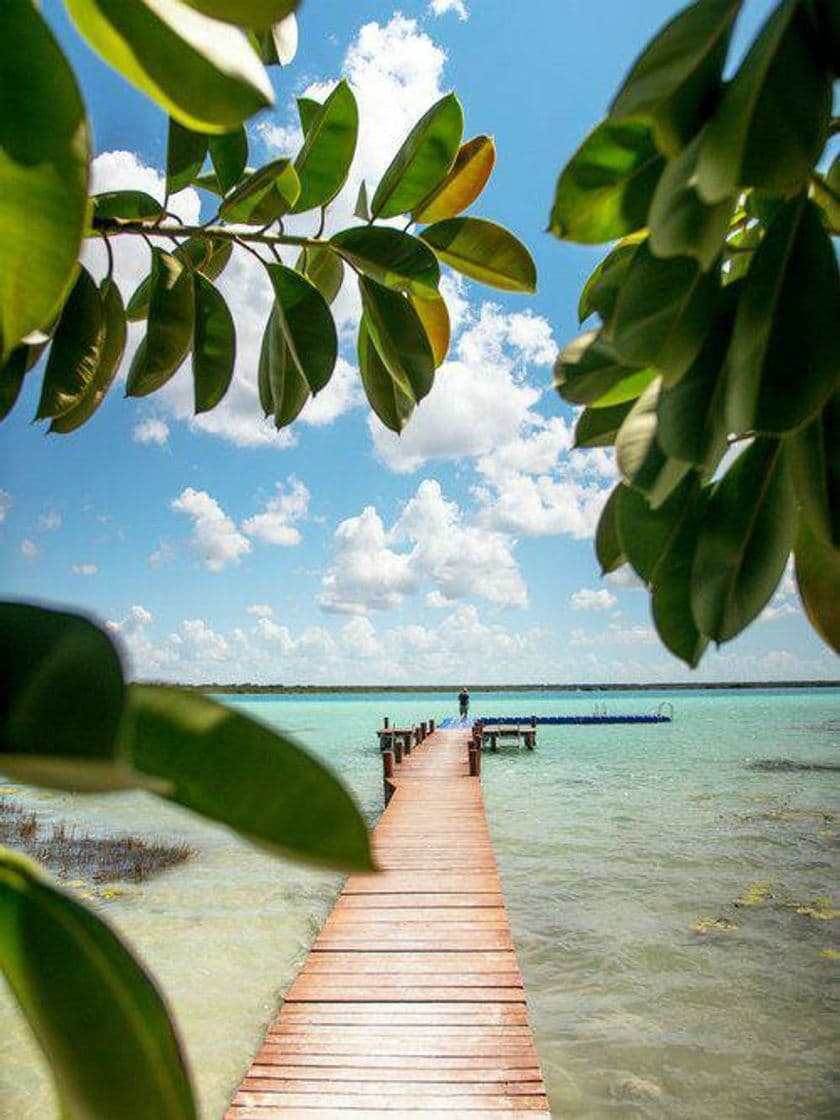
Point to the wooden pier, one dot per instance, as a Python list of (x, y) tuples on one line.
[(411, 1001)]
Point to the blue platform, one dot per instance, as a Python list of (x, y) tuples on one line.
[(598, 721)]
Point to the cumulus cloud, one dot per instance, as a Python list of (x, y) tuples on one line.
[(214, 536), (5, 504), (49, 521), (441, 7), (260, 610), (277, 523), (588, 599), (85, 569), (151, 429), (29, 549)]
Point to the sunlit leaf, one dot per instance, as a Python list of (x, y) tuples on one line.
[(587, 371), (308, 109), (170, 326), (399, 337), (324, 268), (229, 154), (818, 578), (282, 387), (264, 196), (44, 153), (483, 251), (214, 345), (307, 324), (815, 469), (391, 257), (75, 351), (424, 158), (324, 160), (129, 206), (461, 187), (246, 13), (278, 44), (434, 315), (185, 154), (393, 406)]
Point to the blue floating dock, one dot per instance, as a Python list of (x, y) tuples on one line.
[(526, 721)]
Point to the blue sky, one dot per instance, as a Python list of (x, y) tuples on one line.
[(217, 550)]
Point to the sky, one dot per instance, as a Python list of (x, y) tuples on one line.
[(335, 552)]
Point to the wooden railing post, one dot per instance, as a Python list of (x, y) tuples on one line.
[(431, 726), (386, 723), (387, 774), (398, 749)]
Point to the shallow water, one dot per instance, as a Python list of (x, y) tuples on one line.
[(612, 843)]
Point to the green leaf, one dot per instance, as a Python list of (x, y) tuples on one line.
[(391, 257), (308, 110), (825, 191), (11, 379), (229, 154), (681, 223), (129, 206), (62, 700), (283, 388), (587, 371), (234, 770), (607, 543), (260, 14), (461, 187), (645, 533), (113, 348), (676, 79), (424, 158), (785, 354), (664, 311), (387, 399), (328, 149), (324, 268), (214, 345), (815, 470), (209, 182), (638, 454), (75, 351), (772, 121), (264, 196), (204, 255), (96, 1013), (44, 154), (746, 536), (604, 191), (484, 251), (399, 337), (598, 427), (434, 315), (307, 324), (362, 209), (739, 251), (185, 154), (203, 73), (818, 577), (671, 591), (278, 44), (600, 292), (170, 329)]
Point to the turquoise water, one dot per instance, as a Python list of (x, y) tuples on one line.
[(612, 843)]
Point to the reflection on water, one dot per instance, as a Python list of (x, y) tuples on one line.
[(613, 843)]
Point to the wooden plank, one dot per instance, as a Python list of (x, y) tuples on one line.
[(392, 1100)]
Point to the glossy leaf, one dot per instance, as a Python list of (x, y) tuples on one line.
[(11, 379), (61, 702), (483, 251), (200, 71), (129, 206), (324, 268), (307, 324), (608, 547), (113, 348), (638, 454), (204, 255), (785, 355), (434, 315), (246, 13), (815, 469), (399, 337), (393, 406), (598, 427), (44, 154), (234, 770), (747, 533), (95, 1012), (278, 44), (209, 182), (671, 591), (170, 326), (423, 160), (390, 257), (461, 187), (782, 79), (587, 371), (229, 154), (664, 311), (605, 190), (676, 79), (362, 208), (600, 292), (282, 387), (185, 154), (324, 160), (75, 351), (645, 533), (818, 577), (264, 196), (214, 345), (308, 110)]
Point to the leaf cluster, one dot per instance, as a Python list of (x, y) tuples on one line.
[(713, 367)]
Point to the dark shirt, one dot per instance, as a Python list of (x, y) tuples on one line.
[(464, 699)]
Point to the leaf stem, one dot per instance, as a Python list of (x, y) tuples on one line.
[(113, 227)]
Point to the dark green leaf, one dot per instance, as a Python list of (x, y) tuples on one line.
[(328, 149), (283, 388), (598, 427), (484, 251), (61, 701), (96, 1013), (815, 470), (676, 79), (75, 351), (772, 120), (604, 192), (185, 154), (203, 73), (645, 533), (671, 591), (260, 14), (324, 268), (387, 399), (399, 337), (307, 324), (747, 533), (600, 292), (209, 182), (308, 110), (818, 578), (785, 355), (587, 371), (424, 159), (113, 348), (264, 196), (362, 210), (170, 328), (607, 544), (234, 770), (43, 174), (11, 379), (638, 454), (825, 191), (214, 345), (391, 257), (130, 206), (229, 154), (461, 187), (204, 255)]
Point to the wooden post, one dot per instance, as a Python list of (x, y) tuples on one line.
[(473, 761), (431, 726), (407, 741), (387, 774), (386, 723), (422, 731), (398, 751)]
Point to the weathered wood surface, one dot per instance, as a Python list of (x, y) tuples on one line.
[(411, 1001)]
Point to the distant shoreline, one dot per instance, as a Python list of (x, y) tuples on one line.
[(351, 689)]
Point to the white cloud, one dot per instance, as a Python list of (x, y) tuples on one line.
[(29, 549), (366, 573), (50, 521), (151, 429), (5, 504), (215, 536), (276, 525), (163, 554), (624, 577), (441, 7), (260, 610), (587, 599), (85, 569)]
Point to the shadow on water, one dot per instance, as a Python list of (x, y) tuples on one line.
[(788, 765)]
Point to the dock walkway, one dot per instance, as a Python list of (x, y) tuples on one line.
[(411, 1000)]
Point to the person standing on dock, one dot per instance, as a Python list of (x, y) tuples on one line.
[(464, 702)]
